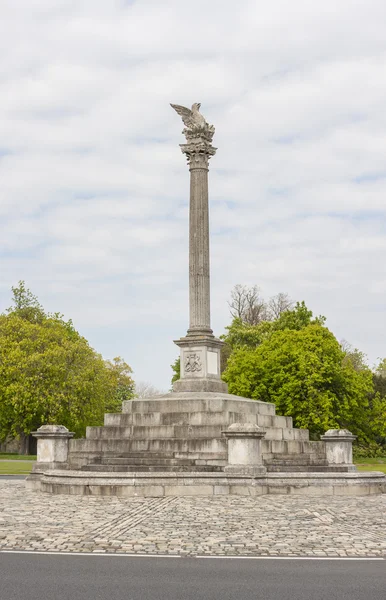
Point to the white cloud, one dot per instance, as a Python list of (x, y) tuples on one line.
[(94, 189)]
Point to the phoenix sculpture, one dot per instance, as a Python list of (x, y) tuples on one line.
[(194, 121)]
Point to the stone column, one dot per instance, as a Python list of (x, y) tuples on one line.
[(52, 452), (244, 449), (339, 447), (199, 349), (199, 271)]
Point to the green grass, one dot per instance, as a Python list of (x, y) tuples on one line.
[(371, 464), (372, 467), (8, 456), (15, 467), (381, 460)]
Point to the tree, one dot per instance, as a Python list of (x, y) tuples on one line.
[(121, 380), (50, 374), (279, 304), (241, 333), (176, 368), (354, 356), (247, 305), (380, 370), (143, 389), (378, 402), (302, 372), (26, 305)]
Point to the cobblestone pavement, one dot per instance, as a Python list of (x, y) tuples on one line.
[(231, 525)]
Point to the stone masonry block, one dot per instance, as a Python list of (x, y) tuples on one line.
[(279, 447), (273, 434), (294, 447), (189, 490), (221, 490), (264, 420), (301, 435)]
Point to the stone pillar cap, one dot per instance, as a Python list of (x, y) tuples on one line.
[(338, 434), (53, 431), (244, 430)]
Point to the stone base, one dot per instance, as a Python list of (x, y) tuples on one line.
[(174, 445), (209, 484), (249, 470), (200, 385), (39, 469)]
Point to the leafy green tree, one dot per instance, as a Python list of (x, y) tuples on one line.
[(176, 368), (26, 305), (301, 370), (378, 402), (50, 374), (121, 380), (357, 358), (241, 333)]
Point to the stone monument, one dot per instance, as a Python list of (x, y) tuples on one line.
[(198, 440), (199, 349)]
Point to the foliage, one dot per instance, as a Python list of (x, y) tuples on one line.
[(176, 368), (299, 367), (50, 374), (368, 450), (380, 370), (121, 381), (26, 305), (379, 378), (357, 358), (243, 334)]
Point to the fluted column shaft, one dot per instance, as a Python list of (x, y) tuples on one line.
[(199, 269)]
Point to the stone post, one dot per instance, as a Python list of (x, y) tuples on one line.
[(339, 447), (244, 449), (52, 452), (199, 349)]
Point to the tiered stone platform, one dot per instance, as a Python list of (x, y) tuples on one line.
[(183, 432), (174, 445)]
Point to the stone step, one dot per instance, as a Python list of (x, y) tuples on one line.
[(273, 421), (184, 418), (281, 447), (184, 431), (150, 455), (194, 458), (304, 469), (196, 446), (195, 418), (143, 432), (293, 459), (117, 446), (151, 468), (191, 402), (130, 460), (273, 433)]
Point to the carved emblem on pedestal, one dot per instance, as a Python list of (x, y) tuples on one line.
[(192, 363)]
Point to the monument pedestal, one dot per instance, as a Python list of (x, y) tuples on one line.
[(200, 364)]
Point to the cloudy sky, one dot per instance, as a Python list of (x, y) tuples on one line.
[(94, 188)]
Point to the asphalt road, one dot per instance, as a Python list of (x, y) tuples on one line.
[(49, 577)]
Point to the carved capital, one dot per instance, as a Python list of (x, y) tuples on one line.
[(198, 153)]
